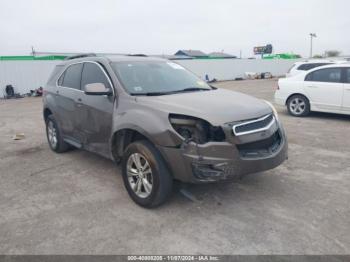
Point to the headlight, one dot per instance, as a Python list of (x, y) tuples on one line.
[(195, 129), (273, 109)]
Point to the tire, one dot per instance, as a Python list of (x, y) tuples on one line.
[(60, 145), (298, 105), (141, 177)]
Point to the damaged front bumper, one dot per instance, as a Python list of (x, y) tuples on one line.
[(216, 161)]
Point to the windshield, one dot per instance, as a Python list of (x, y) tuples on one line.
[(150, 77)]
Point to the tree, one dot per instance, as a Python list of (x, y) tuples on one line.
[(332, 53), (317, 56)]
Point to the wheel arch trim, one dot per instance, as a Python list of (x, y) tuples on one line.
[(119, 135)]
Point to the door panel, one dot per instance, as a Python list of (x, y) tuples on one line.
[(324, 88), (346, 95), (94, 114), (66, 108), (67, 94)]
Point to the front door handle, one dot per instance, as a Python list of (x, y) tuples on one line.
[(347, 89), (79, 102), (312, 86)]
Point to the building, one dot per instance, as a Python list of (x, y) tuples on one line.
[(191, 53), (220, 55), (174, 57)]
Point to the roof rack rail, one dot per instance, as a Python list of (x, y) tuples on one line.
[(143, 55), (79, 56)]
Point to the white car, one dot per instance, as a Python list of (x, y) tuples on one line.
[(323, 89), (300, 67)]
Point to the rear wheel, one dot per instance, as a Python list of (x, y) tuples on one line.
[(145, 175), (54, 138), (298, 105)]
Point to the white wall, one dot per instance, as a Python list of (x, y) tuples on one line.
[(24, 75), (27, 75), (228, 69)]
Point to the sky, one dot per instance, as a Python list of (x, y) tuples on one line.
[(165, 26)]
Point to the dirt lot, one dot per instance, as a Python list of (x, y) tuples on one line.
[(76, 203)]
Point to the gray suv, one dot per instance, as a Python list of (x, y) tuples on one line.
[(160, 121)]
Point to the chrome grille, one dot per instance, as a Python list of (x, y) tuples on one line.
[(254, 126)]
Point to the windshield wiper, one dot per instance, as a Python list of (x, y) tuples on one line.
[(196, 88), (188, 89), (151, 94)]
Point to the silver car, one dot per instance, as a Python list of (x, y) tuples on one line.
[(160, 121)]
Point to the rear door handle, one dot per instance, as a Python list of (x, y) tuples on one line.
[(312, 86)]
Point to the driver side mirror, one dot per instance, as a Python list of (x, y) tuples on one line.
[(97, 89)]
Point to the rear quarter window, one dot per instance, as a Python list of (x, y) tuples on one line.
[(290, 69), (306, 67), (55, 73)]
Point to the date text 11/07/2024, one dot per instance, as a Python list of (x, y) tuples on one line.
[(174, 258)]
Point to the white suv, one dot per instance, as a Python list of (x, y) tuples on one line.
[(300, 67)]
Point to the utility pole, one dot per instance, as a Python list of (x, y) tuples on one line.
[(33, 51), (312, 35)]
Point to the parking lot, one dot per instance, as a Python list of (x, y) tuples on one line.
[(75, 203)]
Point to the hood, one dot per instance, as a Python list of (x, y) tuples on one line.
[(217, 106)]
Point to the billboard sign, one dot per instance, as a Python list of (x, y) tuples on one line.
[(260, 50)]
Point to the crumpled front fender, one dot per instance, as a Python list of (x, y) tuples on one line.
[(155, 126)]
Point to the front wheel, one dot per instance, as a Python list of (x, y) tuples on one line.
[(146, 177), (298, 105)]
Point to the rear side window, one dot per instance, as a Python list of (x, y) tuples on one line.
[(92, 73), (347, 75), (72, 76), (331, 75), (306, 67)]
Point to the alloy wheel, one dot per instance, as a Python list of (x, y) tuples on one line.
[(297, 106), (52, 134), (139, 174)]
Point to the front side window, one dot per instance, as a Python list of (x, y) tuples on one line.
[(92, 73), (331, 75), (157, 77), (72, 76), (60, 80)]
